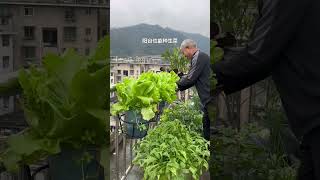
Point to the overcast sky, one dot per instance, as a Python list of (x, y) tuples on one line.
[(184, 15)]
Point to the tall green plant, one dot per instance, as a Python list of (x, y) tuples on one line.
[(235, 16), (176, 59)]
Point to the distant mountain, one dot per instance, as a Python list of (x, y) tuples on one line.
[(128, 41)]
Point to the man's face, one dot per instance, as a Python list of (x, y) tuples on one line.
[(186, 52)]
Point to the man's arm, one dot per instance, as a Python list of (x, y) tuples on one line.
[(190, 79), (273, 32), (182, 88)]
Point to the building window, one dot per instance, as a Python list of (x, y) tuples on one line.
[(88, 31), (28, 11), (5, 62), (29, 53), (5, 40), (112, 74), (4, 21), (69, 15), (5, 11), (131, 66), (125, 73), (88, 11), (118, 78), (29, 32), (50, 37), (119, 71), (104, 32), (5, 103), (70, 34), (87, 51), (131, 72)]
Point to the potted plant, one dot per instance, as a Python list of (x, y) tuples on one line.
[(139, 99), (64, 102), (171, 151)]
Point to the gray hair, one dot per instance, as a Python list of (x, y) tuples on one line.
[(188, 43)]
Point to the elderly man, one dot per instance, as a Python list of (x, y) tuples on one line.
[(198, 76)]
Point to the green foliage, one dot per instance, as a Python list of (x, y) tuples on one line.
[(11, 87), (235, 16), (176, 59), (145, 93), (171, 151), (216, 54), (65, 105), (187, 113), (102, 52), (245, 155)]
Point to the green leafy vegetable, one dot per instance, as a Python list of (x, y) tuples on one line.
[(216, 55), (64, 103), (187, 113), (171, 151), (145, 93)]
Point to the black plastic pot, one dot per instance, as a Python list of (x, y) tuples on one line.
[(134, 126), (67, 165)]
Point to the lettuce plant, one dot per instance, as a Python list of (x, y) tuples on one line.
[(64, 102), (145, 93)]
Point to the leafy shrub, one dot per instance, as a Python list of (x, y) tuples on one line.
[(243, 155), (187, 113), (171, 151)]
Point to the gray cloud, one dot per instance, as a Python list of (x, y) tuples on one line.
[(184, 15)]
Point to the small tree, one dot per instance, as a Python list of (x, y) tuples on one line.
[(176, 59)]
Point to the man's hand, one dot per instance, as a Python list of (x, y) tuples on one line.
[(180, 74)]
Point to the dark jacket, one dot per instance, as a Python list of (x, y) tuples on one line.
[(199, 76), (286, 45)]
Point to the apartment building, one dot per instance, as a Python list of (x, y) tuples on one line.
[(29, 29), (133, 67), (38, 27)]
